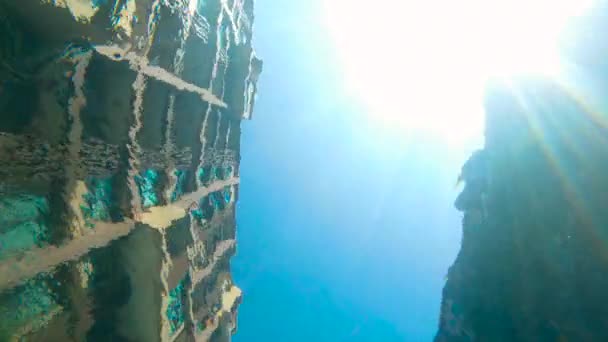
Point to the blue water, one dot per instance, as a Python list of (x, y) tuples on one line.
[(345, 234)]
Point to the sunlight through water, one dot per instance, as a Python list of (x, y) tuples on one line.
[(420, 66)]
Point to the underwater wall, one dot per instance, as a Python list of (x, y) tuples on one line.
[(533, 264), (119, 167)]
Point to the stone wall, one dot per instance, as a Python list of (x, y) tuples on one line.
[(119, 159)]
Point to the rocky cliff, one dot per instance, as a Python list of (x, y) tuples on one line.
[(119, 167), (533, 264)]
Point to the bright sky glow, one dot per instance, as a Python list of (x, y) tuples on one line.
[(420, 65)]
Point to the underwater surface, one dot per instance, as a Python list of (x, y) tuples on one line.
[(120, 155)]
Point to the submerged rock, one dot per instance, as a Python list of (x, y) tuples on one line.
[(533, 264)]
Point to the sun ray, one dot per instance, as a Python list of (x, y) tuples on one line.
[(420, 66)]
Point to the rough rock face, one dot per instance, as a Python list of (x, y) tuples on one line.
[(534, 260), (119, 160), (533, 264)]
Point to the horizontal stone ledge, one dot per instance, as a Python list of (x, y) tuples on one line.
[(221, 249), (177, 333), (162, 217), (15, 270), (229, 300), (140, 64)]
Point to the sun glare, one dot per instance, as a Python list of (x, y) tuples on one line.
[(420, 65)]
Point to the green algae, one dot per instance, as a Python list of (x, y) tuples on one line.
[(200, 174), (22, 208), (28, 309), (147, 182), (22, 224), (180, 184), (214, 199), (227, 194), (176, 309), (98, 201)]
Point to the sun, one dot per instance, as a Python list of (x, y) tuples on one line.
[(420, 65)]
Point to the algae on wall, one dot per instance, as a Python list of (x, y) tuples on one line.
[(112, 112)]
